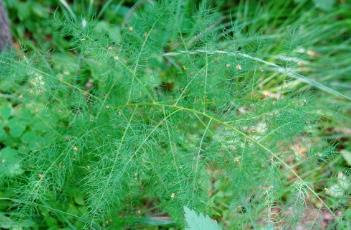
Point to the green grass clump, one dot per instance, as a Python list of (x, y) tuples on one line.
[(176, 107)]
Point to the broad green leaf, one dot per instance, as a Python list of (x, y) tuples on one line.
[(32, 140), (3, 134), (324, 4), (22, 10), (347, 156), (110, 30), (335, 191), (39, 10), (155, 221), (199, 221), (9, 163), (8, 223), (340, 188), (343, 181), (5, 112), (16, 127), (79, 199)]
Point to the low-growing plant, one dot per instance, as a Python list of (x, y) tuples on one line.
[(125, 126)]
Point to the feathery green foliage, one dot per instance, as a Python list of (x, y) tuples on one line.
[(171, 109)]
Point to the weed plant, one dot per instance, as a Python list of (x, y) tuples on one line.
[(121, 127)]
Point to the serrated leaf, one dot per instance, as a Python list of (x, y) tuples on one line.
[(199, 221)]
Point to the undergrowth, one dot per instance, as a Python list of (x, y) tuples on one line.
[(174, 108)]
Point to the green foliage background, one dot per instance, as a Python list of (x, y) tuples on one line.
[(116, 115)]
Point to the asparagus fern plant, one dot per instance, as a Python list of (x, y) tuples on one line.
[(168, 110)]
